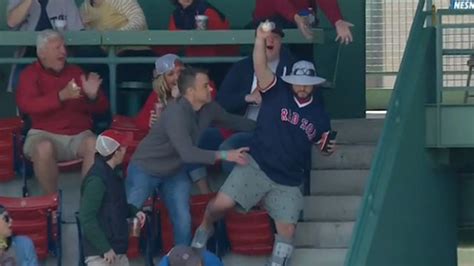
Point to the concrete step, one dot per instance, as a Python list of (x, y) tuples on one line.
[(358, 156), (358, 130), (338, 182), (323, 234), (301, 257), (331, 208)]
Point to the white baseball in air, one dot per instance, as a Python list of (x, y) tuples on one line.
[(267, 26)]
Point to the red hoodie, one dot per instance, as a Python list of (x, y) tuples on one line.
[(38, 96), (288, 8)]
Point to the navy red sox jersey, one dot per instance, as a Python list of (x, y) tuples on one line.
[(285, 133)]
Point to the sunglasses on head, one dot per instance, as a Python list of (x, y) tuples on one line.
[(304, 72)]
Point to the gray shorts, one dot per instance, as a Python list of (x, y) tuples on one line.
[(66, 146), (248, 185)]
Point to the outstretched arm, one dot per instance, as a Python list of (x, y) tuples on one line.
[(264, 74)]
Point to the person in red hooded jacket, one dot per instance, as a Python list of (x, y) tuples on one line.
[(290, 10), (60, 100)]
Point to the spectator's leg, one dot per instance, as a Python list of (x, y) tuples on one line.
[(283, 246), (198, 174), (237, 140), (176, 191), (83, 145), (43, 154), (284, 204), (139, 185), (24, 250), (210, 139), (246, 186)]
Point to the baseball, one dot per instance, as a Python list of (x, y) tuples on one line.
[(267, 26)]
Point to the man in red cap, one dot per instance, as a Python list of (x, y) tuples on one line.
[(104, 209)]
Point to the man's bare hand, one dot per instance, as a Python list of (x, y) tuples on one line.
[(238, 156), (91, 85), (331, 147), (255, 97), (343, 29), (304, 27), (153, 118), (70, 92), (141, 218), (261, 33), (110, 256)]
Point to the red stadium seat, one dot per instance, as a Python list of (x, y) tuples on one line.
[(250, 233)]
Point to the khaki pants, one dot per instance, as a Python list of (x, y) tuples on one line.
[(66, 146), (121, 260)]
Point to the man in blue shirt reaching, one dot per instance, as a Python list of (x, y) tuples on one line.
[(290, 122)]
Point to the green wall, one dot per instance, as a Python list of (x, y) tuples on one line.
[(7, 101), (345, 101), (409, 215)]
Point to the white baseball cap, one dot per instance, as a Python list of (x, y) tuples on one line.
[(110, 140), (303, 73)]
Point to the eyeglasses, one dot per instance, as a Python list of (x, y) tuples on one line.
[(304, 72)]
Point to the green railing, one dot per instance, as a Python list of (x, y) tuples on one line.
[(409, 210), (112, 40), (454, 46)]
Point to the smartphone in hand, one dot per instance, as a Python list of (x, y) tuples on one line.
[(327, 136)]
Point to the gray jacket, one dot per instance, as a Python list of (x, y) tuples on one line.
[(172, 141), (66, 9)]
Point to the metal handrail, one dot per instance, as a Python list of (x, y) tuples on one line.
[(114, 40)]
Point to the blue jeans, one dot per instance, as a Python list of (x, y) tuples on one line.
[(237, 140), (24, 251), (175, 191)]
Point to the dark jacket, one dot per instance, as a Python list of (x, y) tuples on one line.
[(238, 82), (104, 210)]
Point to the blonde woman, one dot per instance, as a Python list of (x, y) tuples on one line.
[(165, 80)]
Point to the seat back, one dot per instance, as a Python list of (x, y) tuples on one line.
[(250, 233), (10, 131), (39, 218)]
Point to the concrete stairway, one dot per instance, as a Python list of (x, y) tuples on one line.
[(323, 236), (337, 185)]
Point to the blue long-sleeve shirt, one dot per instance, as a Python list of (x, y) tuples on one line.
[(238, 82)]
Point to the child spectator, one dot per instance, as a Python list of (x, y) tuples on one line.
[(104, 209)]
